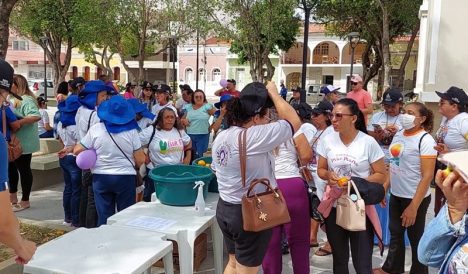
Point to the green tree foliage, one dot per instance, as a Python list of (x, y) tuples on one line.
[(257, 29), (6, 6), (52, 19), (367, 17)]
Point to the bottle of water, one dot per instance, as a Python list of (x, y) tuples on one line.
[(200, 201)]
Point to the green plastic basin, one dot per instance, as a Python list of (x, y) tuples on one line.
[(213, 187), (174, 184)]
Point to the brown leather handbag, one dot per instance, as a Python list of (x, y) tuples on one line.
[(14, 146), (260, 211)]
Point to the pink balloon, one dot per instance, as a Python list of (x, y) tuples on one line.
[(86, 159), (223, 83)]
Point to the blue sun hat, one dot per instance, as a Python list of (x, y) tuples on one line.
[(117, 114), (88, 96), (68, 110), (224, 98), (141, 108)]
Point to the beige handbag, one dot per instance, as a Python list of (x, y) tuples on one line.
[(351, 213)]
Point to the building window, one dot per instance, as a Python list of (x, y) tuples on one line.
[(216, 74), (321, 49), (188, 75), (86, 73), (240, 74), (20, 45), (117, 73), (201, 74)]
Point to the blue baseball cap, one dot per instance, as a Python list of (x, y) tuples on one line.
[(224, 98)]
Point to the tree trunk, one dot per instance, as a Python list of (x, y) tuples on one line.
[(409, 47), (6, 7), (385, 44), (54, 52), (131, 76), (372, 62), (270, 68)]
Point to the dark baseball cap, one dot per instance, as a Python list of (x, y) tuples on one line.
[(147, 84), (296, 89), (254, 97), (392, 97), (6, 78), (185, 87), (454, 94), (163, 88), (304, 110), (323, 107), (78, 81)]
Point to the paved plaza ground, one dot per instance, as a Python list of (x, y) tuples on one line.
[(46, 208)]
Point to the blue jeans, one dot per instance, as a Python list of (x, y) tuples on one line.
[(47, 134), (111, 191), (72, 189), (200, 143)]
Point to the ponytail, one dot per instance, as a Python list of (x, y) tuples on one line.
[(235, 114)]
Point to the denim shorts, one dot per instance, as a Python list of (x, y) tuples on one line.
[(248, 247)]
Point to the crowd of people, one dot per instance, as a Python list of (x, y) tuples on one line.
[(339, 138)]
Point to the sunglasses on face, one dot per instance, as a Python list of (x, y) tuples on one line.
[(339, 116), (353, 83)]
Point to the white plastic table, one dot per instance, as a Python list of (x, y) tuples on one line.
[(102, 250), (184, 231)]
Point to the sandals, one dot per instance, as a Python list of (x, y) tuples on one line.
[(322, 252), (18, 207), (316, 244)]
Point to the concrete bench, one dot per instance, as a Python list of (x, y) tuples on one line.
[(46, 170), (45, 164)]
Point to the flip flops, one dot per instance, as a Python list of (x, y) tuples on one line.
[(322, 252), (18, 207)]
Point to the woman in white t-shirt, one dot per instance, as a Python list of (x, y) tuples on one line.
[(347, 152), (453, 131), (248, 112), (163, 96), (168, 144), (43, 126), (411, 172), (119, 153), (321, 120), (292, 186)]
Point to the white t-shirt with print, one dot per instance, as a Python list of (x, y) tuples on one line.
[(82, 120), (110, 160), (144, 123), (357, 156), (261, 140), (405, 162), (156, 108), (384, 120), (286, 156), (455, 131), (167, 147), (319, 135), (68, 135), (44, 120)]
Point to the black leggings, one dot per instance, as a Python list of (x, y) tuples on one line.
[(23, 166)]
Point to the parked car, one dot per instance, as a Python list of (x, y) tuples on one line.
[(37, 87)]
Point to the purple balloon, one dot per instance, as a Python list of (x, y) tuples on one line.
[(223, 83), (86, 159)]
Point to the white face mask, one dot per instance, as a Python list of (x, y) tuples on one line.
[(407, 121)]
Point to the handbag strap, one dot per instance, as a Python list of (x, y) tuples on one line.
[(263, 181), (352, 184), (113, 140), (4, 122), (89, 120), (242, 139)]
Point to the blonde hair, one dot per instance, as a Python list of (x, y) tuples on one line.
[(22, 86)]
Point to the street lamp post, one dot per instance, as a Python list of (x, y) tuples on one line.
[(353, 38), (173, 41), (307, 7), (44, 40)]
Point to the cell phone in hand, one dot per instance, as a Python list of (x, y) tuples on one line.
[(377, 127), (457, 161)]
